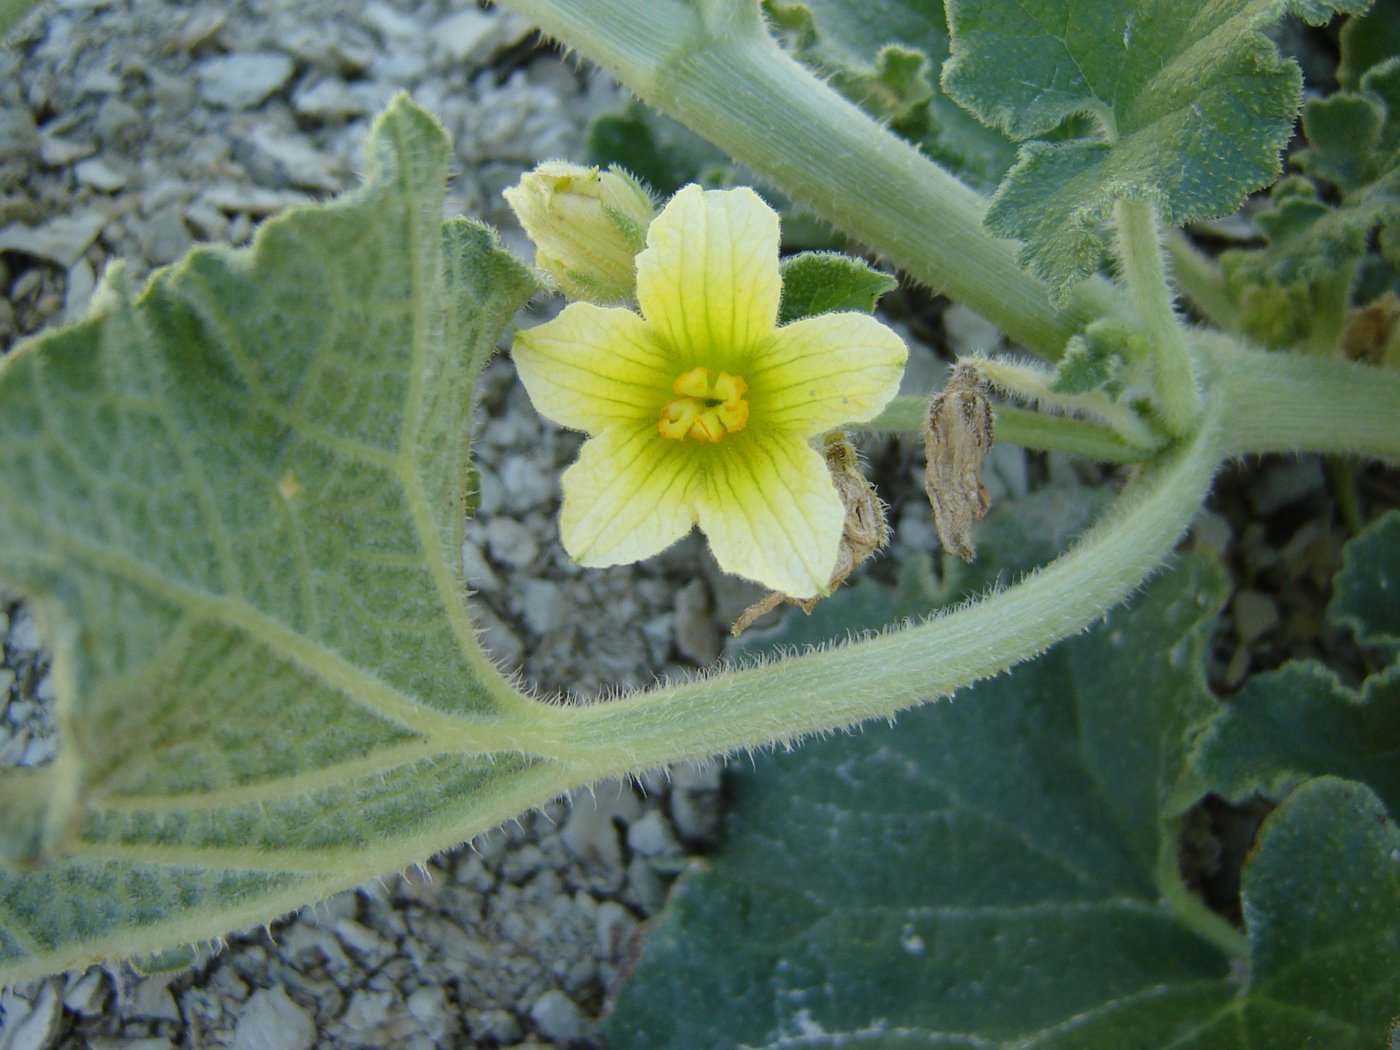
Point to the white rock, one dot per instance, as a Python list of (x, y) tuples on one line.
[(542, 605), (652, 836), (468, 36), (242, 81), (510, 543), (61, 240), (100, 175), (32, 1029), (81, 283), (286, 158), (557, 1018), (59, 152), (615, 925), (968, 331), (153, 999), (271, 1021)]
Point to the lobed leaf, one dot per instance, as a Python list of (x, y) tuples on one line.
[(1192, 105), (988, 873), (1366, 592), (1300, 722), (885, 56), (238, 498), (982, 874)]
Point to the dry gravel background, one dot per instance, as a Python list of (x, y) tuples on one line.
[(136, 128)]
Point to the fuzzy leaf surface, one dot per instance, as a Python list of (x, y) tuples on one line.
[(1366, 592), (238, 500), (981, 874), (885, 56), (1299, 722), (984, 874), (1192, 105)]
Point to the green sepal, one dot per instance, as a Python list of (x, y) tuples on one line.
[(827, 282)]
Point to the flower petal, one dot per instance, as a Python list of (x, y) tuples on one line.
[(708, 279), (822, 372), (772, 514), (629, 496), (592, 366)]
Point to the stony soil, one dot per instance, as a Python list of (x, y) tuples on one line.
[(135, 128)]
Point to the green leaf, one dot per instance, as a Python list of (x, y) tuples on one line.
[(1322, 900), (1368, 40), (1299, 722), (1366, 592), (982, 873), (238, 499), (826, 282), (988, 873), (885, 56), (1192, 105)]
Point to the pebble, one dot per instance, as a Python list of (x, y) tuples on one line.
[(242, 81), (272, 1021), (652, 836), (101, 175), (147, 1043), (697, 636), (615, 926), (556, 1017), (30, 1025), (281, 159), (61, 240), (153, 1000), (542, 605), (510, 543), (81, 283), (493, 1027), (1255, 615)]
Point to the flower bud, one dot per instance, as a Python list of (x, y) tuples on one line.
[(587, 226)]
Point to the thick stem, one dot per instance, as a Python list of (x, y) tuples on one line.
[(730, 82), (1019, 426), (1140, 251), (1281, 402)]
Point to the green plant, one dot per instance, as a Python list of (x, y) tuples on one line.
[(236, 497)]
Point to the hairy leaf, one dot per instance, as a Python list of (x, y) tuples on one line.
[(987, 873), (1299, 722), (885, 56), (1192, 105), (238, 498), (1366, 593), (981, 873), (826, 282), (11, 11)]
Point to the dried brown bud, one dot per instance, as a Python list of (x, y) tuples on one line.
[(863, 534), (957, 434)]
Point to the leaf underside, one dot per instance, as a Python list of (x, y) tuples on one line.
[(1192, 105), (238, 500)]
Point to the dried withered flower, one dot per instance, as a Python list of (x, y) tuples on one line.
[(958, 432)]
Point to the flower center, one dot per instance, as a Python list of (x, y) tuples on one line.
[(710, 406)]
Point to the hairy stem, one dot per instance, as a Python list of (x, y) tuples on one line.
[(1281, 402), (1140, 252), (1202, 282), (1019, 426), (795, 696), (723, 75)]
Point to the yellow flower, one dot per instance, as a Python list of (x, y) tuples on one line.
[(701, 409)]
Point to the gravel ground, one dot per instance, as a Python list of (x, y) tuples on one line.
[(135, 128)]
